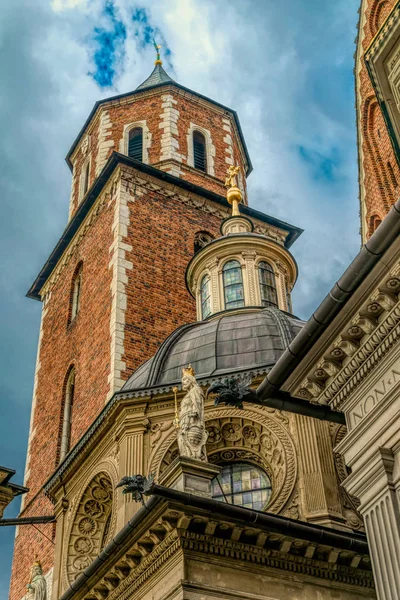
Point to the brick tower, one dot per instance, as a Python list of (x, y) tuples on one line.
[(378, 110), (148, 171)]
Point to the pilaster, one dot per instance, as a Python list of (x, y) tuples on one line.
[(321, 499), (377, 490), (133, 425)]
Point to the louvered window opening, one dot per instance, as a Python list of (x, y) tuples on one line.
[(266, 274), (233, 285), (199, 151), (135, 146), (205, 297)]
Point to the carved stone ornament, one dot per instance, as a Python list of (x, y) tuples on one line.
[(85, 145), (37, 587), (243, 435), (192, 434), (91, 525)]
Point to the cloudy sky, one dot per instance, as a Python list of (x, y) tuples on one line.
[(286, 67)]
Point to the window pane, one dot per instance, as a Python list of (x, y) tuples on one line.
[(233, 285), (242, 484), (135, 145), (205, 297), (267, 284), (199, 151)]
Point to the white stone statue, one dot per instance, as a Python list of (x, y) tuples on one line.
[(37, 587), (192, 434)]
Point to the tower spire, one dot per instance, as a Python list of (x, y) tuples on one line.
[(158, 61)]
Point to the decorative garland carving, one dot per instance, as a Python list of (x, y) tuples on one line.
[(244, 435), (92, 525)]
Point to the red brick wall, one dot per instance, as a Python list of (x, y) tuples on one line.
[(161, 232), (86, 344), (147, 107), (380, 170), (158, 301)]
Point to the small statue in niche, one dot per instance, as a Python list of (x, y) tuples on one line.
[(192, 434), (37, 587)]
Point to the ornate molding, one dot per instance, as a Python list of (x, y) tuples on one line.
[(92, 525), (180, 530), (244, 435), (359, 347)]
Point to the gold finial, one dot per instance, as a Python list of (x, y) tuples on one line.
[(176, 420), (233, 195), (188, 371), (157, 47)]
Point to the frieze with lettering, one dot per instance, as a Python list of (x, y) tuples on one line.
[(375, 396)]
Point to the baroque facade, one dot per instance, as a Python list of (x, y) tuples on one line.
[(155, 276)]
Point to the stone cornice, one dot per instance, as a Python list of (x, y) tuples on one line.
[(171, 186), (118, 402), (191, 531), (363, 341), (161, 89)]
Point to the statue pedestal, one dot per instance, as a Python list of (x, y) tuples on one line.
[(190, 475)]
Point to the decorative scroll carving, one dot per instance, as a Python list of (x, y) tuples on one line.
[(91, 518)]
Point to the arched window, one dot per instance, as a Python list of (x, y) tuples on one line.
[(86, 176), (201, 239), (374, 223), (75, 294), (135, 143), (392, 175), (68, 400), (205, 297), (267, 284), (233, 284), (199, 151), (242, 484)]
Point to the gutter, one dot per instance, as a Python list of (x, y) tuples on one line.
[(368, 257), (318, 534)]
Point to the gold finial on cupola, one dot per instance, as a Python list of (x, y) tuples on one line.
[(233, 195), (158, 61)]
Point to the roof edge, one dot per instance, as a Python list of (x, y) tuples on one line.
[(152, 87), (115, 159), (361, 266)]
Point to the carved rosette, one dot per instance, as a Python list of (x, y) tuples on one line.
[(91, 526), (236, 435)]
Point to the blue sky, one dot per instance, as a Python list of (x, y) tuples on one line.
[(285, 67)]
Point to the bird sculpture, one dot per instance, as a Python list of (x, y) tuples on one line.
[(137, 485), (231, 391)]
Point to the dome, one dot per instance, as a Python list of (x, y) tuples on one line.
[(231, 343)]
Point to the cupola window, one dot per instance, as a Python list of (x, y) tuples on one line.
[(205, 297), (268, 293), (199, 151), (135, 143), (242, 484), (233, 285)]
